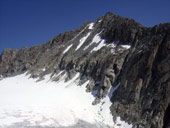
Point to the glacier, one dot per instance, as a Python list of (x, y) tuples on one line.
[(26, 103)]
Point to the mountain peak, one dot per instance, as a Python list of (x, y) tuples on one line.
[(112, 52)]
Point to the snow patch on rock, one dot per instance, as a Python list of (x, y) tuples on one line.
[(126, 46), (91, 26), (100, 45), (82, 40), (66, 50), (96, 40)]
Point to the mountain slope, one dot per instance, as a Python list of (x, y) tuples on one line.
[(25, 103), (111, 52)]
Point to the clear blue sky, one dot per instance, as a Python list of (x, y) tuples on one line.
[(32, 22)]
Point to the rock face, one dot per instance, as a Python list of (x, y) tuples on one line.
[(113, 50), (144, 93)]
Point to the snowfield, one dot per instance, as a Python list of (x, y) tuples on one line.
[(25, 103)]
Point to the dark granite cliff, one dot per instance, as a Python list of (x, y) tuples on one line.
[(111, 52)]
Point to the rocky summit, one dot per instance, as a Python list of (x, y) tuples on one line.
[(114, 52)]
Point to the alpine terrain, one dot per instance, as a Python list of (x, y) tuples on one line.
[(110, 73)]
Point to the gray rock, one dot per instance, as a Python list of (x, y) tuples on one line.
[(90, 86)]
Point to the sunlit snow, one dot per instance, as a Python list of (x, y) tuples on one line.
[(91, 26), (45, 104), (67, 48), (96, 39), (102, 43), (100, 21), (82, 40), (126, 46)]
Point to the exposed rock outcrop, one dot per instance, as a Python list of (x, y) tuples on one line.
[(143, 95)]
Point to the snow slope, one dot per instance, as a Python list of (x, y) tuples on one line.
[(25, 103)]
